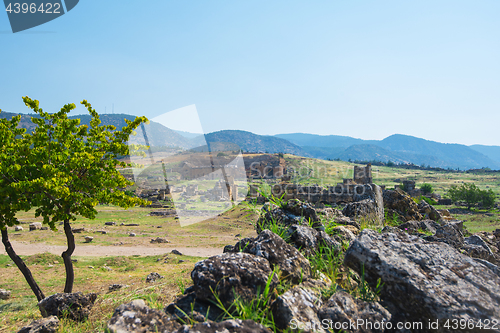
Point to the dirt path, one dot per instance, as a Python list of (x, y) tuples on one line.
[(24, 248)]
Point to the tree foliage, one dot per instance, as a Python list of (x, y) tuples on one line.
[(63, 169), (427, 188), (472, 195)]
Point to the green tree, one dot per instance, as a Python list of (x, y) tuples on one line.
[(426, 188), (70, 168), (472, 195), (12, 150)]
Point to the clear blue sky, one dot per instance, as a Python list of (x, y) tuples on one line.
[(366, 69)]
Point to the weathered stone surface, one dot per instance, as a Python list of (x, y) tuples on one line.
[(231, 275), (116, 286), (342, 233), (18, 228), (343, 309), (5, 294), (137, 317), (425, 281), (428, 211), (299, 305), (152, 277), (44, 325), (227, 326), (109, 223), (346, 221), (294, 212), (418, 226), (293, 265), (196, 309), (159, 240), (88, 239), (363, 208), (397, 201), (449, 233), (308, 240), (35, 226), (75, 306)]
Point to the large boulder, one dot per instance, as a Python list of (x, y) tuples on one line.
[(297, 308), (137, 317), (309, 240), (293, 265), (425, 281), (428, 211), (363, 208), (75, 306), (293, 212), (44, 325), (400, 203), (413, 227), (449, 233), (231, 276), (198, 310), (344, 312)]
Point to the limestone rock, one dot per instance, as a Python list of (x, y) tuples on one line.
[(363, 208), (152, 277), (159, 240), (299, 306), (116, 286), (5, 294), (397, 201), (294, 266), (18, 228), (75, 306), (449, 233), (342, 233), (88, 239), (308, 240), (425, 281), (35, 226), (231, 275), (137, 317), (44, 325), (428, 211), (342, 309), (196, 309), (413, 226)]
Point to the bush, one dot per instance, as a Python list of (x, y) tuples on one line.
[(472, 195), (426, 188)]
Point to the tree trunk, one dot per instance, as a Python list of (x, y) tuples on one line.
[(66, 255), (21, 265)]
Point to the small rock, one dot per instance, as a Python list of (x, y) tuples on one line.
[(152, 277), (116, 286), (74, 306), (131, 224), (35, 226), (131, 234), (176, 252), (44, 325), (78, 230), (181, 261), (159, 240), (88, 239), (109, 223), (104, 232), (5, 294), (44, 228), (18, 228)]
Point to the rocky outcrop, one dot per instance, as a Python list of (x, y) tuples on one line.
[(227, 326), (293, 265), (428, 211), (44, 325), (294, 212), (230, 276), (400, 203), (364, 208), (309, 240), (342, 311), (137, 317), (189, 306), (299, 307), (437, 281), (74, 306), (416, 227)]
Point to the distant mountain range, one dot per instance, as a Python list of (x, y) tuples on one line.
[(396, 148)]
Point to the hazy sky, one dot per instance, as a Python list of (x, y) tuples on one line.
[(366, 69)]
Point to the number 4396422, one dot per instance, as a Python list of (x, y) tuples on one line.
[(24, 8)]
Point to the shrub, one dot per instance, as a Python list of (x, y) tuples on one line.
[(426, 188), (472, 195)]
